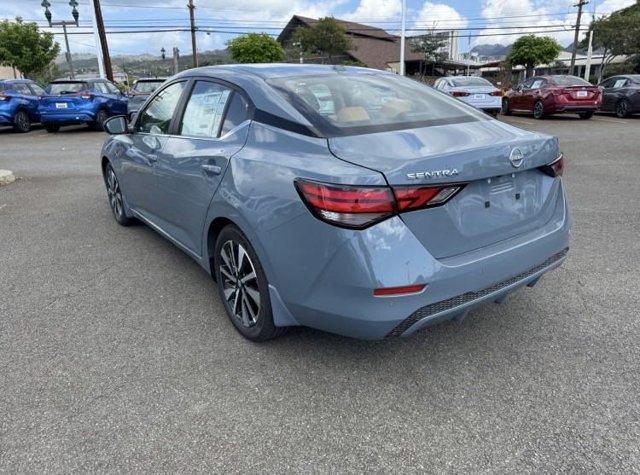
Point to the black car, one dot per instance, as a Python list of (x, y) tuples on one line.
[(140, 91), (621, 95)]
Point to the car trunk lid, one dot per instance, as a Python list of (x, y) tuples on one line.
[(498, 201)]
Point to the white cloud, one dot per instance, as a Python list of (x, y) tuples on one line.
[(376, 10), (440, 16)]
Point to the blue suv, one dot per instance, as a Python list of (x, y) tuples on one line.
[(87, 101), (19, 99)]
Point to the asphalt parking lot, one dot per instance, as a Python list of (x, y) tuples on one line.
[(116, 354)]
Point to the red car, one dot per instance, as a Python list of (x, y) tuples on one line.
[(546, 95)]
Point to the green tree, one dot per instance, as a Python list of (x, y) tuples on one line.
[(23, 47), (255, 48), (530, 51), (429, 46), (327, 38), (616, 34)]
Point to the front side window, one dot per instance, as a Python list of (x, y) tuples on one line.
[(156, 118), (203, 114), (620, 82), (344, 104)]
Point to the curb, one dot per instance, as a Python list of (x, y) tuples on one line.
[(6, 177)]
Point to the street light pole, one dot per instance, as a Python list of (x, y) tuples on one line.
[(402, 34), (192, 19), (76, 16)]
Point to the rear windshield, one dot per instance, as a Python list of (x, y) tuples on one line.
[(67, 87), (146, 87), (570, 81), (470, 81), (356, 103)]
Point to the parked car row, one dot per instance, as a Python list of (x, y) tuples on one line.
[(69, 102), (543, 96)]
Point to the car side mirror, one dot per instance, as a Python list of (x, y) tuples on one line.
[(519, 88), (116, 125)]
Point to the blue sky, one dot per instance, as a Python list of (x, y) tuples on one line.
[(498, 21)]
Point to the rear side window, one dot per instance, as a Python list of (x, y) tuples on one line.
[(111, 88), (538, 83), (354, 103), (146, 87), (156, 118), (37, 90), (203, 114), (237, 113), (23, 89)]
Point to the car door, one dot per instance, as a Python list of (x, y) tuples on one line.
[(145, 147), (606, 94), (117, 100), (615, 92), (515, 98), (212, 128), (28, 99), (532, 93), (36, 95)]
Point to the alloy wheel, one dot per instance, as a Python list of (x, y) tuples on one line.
[(239, 283), (538, 110), (114, 193), (22, 122), (622, 109)]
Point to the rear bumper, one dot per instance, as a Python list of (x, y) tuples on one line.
[(67, 117), (574, 108), (340, 299)]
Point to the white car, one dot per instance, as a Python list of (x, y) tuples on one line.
[(475, 91)]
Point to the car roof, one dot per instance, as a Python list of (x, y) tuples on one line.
[(272, 70), (151, 79), (78, 80), (16, 81)]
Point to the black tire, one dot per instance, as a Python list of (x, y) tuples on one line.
[(235, 261), (622, 109), (114, 194), (586, 115), (538, 110), (21, 122), (505, 107), (51, 128), (493, 113), (101, 117)]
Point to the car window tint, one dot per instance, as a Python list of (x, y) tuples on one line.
[(527, 84), (470, 81), (607, 83), (203, 113), (620, 83), (146, 87), (156, 118), (37, 90), (70, 87), (237, 113)]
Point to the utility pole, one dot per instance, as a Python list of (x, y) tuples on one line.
[(587, 68), (402, 34), (76, 16), (576, 36), (192, 18), (99, 22)]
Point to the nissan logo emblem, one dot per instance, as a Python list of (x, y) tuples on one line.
[(516, 158)]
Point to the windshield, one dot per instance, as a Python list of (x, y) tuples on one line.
[(570, 81), (58, 88), (346, 104), (470, 81), (146, 87)]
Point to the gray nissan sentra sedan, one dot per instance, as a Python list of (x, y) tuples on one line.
[(345, 199)]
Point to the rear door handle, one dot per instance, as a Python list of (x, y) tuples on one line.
[(212, 169)]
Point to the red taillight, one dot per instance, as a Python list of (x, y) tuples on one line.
[(413, 198), (404, 290), (496, 93), (555, 168), (361, 206), (460, 93), (86, 95), (4, 98), (349, 206)]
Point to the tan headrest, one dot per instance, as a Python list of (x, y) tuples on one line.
[(396, 107), (352, 114)]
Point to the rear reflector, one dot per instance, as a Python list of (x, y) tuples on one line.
[(460, 93), (404, 290), (496, 93), (360, 206)]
